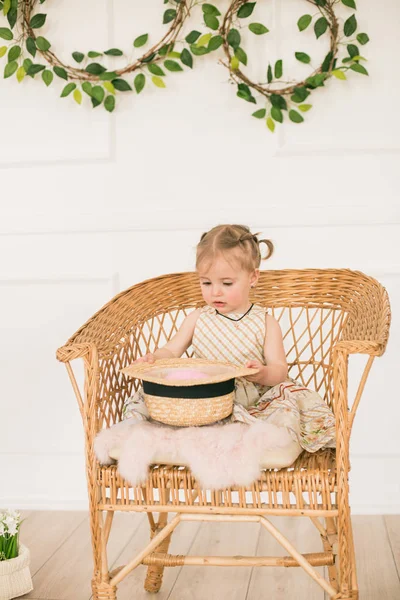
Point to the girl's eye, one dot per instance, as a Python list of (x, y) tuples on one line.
[(208, 283), (227, 284)]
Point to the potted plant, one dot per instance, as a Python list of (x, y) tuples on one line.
[(15, 576)]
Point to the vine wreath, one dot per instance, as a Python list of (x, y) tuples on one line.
[(102, 84), (94, 78), (291, 97)]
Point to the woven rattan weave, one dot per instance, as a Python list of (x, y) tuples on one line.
[(326, 315)]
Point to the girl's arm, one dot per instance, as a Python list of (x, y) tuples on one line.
[(276, 369), (179, 343)]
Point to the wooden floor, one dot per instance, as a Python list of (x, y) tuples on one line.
[(61, 559)]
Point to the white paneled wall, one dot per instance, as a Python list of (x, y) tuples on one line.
[(92, 203)]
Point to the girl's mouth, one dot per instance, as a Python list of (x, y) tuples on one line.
[(219, 304)]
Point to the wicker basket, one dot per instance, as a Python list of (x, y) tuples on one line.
[(186, 402), (15, 576)]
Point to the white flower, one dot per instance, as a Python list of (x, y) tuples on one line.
[(14, 514), (12, 524), (2, 529)]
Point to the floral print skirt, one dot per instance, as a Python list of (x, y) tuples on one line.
[(302, 411)]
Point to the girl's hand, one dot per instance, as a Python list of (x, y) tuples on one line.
[(257, 377), (149, 357)]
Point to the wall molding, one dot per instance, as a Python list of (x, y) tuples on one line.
[(174, 219)]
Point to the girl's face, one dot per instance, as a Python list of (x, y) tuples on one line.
[(226, 288)]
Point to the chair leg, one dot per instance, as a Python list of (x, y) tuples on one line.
[(347, 573), (103, 591), (155, 574)]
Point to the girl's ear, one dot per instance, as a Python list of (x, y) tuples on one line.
[(254, 278)]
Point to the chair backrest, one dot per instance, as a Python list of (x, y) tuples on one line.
[(315, 308)]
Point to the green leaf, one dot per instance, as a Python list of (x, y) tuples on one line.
[(109, 103), (3, 51), (139, 82), (107, 76), (304, 22), (321, 25), (158, 82), (326, 65), (359, 69), (156, 70), (303, 57), (215, 43), (192, 37), (109, 87), (60, 72), (163, 51), (26, 64), (211, 22), (38, 21), (114, 52), (300, 94), (95, 69), (10, 69), (98, 93), (247, 97), (78, 96), (31, 46), (350, 26), (234, 63), (352, 50), (47, 77), (93, 54), (148, 58), (12, 14), (350, 4), (362, 38), (13, 53), (42, 44), (141, 40), (20, 74), (187, 58), (278, 69), (6, 33), (305, 107), (34, 69), (316, 80), (70, 87), (270, 124), (258, 28), (295, 116), (204, 39), (78, 56), (87, 88), (259, 114), (6, 7), (277, 114), (198, 50), (338, 74), (121, 85), (169, 16), (172, 65), (210, 9), (245, 10), (234, 38), (241, 55), (278, 101), (269, 74)]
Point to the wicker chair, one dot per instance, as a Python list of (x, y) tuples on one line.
[(325, 316)]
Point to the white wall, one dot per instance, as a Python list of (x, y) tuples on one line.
[(93, 203)]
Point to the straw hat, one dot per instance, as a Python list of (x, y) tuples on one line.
[(188, 391)]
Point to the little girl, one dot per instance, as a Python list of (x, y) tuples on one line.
[(229, 328)]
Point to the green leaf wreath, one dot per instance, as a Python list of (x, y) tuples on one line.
[(292, 98), (28, 54)]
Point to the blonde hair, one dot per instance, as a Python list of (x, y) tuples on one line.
[(228, 239)]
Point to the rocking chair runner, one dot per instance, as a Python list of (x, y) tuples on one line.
[(325, 316)]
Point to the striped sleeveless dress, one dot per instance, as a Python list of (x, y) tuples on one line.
[(289, 404)]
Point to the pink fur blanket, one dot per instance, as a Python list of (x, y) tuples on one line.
[(218, 455)]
